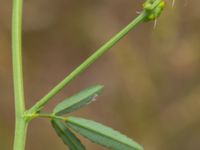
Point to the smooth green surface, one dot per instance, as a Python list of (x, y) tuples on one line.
[(20, 123), (78, 100), (102, 135), (67, 136)]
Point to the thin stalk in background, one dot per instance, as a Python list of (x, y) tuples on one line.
[(20, 123)]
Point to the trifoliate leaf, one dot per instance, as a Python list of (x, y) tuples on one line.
[(67, 136), (78, 100), (102, 135)]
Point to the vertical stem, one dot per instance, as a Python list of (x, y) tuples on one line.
[(20, 134), (20, 123)]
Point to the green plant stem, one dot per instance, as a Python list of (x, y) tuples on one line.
[(20, 123), (44, 115), (40, 104)]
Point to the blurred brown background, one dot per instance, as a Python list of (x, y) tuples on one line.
[(151, 77)]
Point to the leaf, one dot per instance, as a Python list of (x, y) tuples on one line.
[(101, 134), (78, 100), (67, 136)]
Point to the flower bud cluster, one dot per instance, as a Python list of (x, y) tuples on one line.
[(153, 9)]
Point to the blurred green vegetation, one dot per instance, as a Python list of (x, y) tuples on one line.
[(151, 78)]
